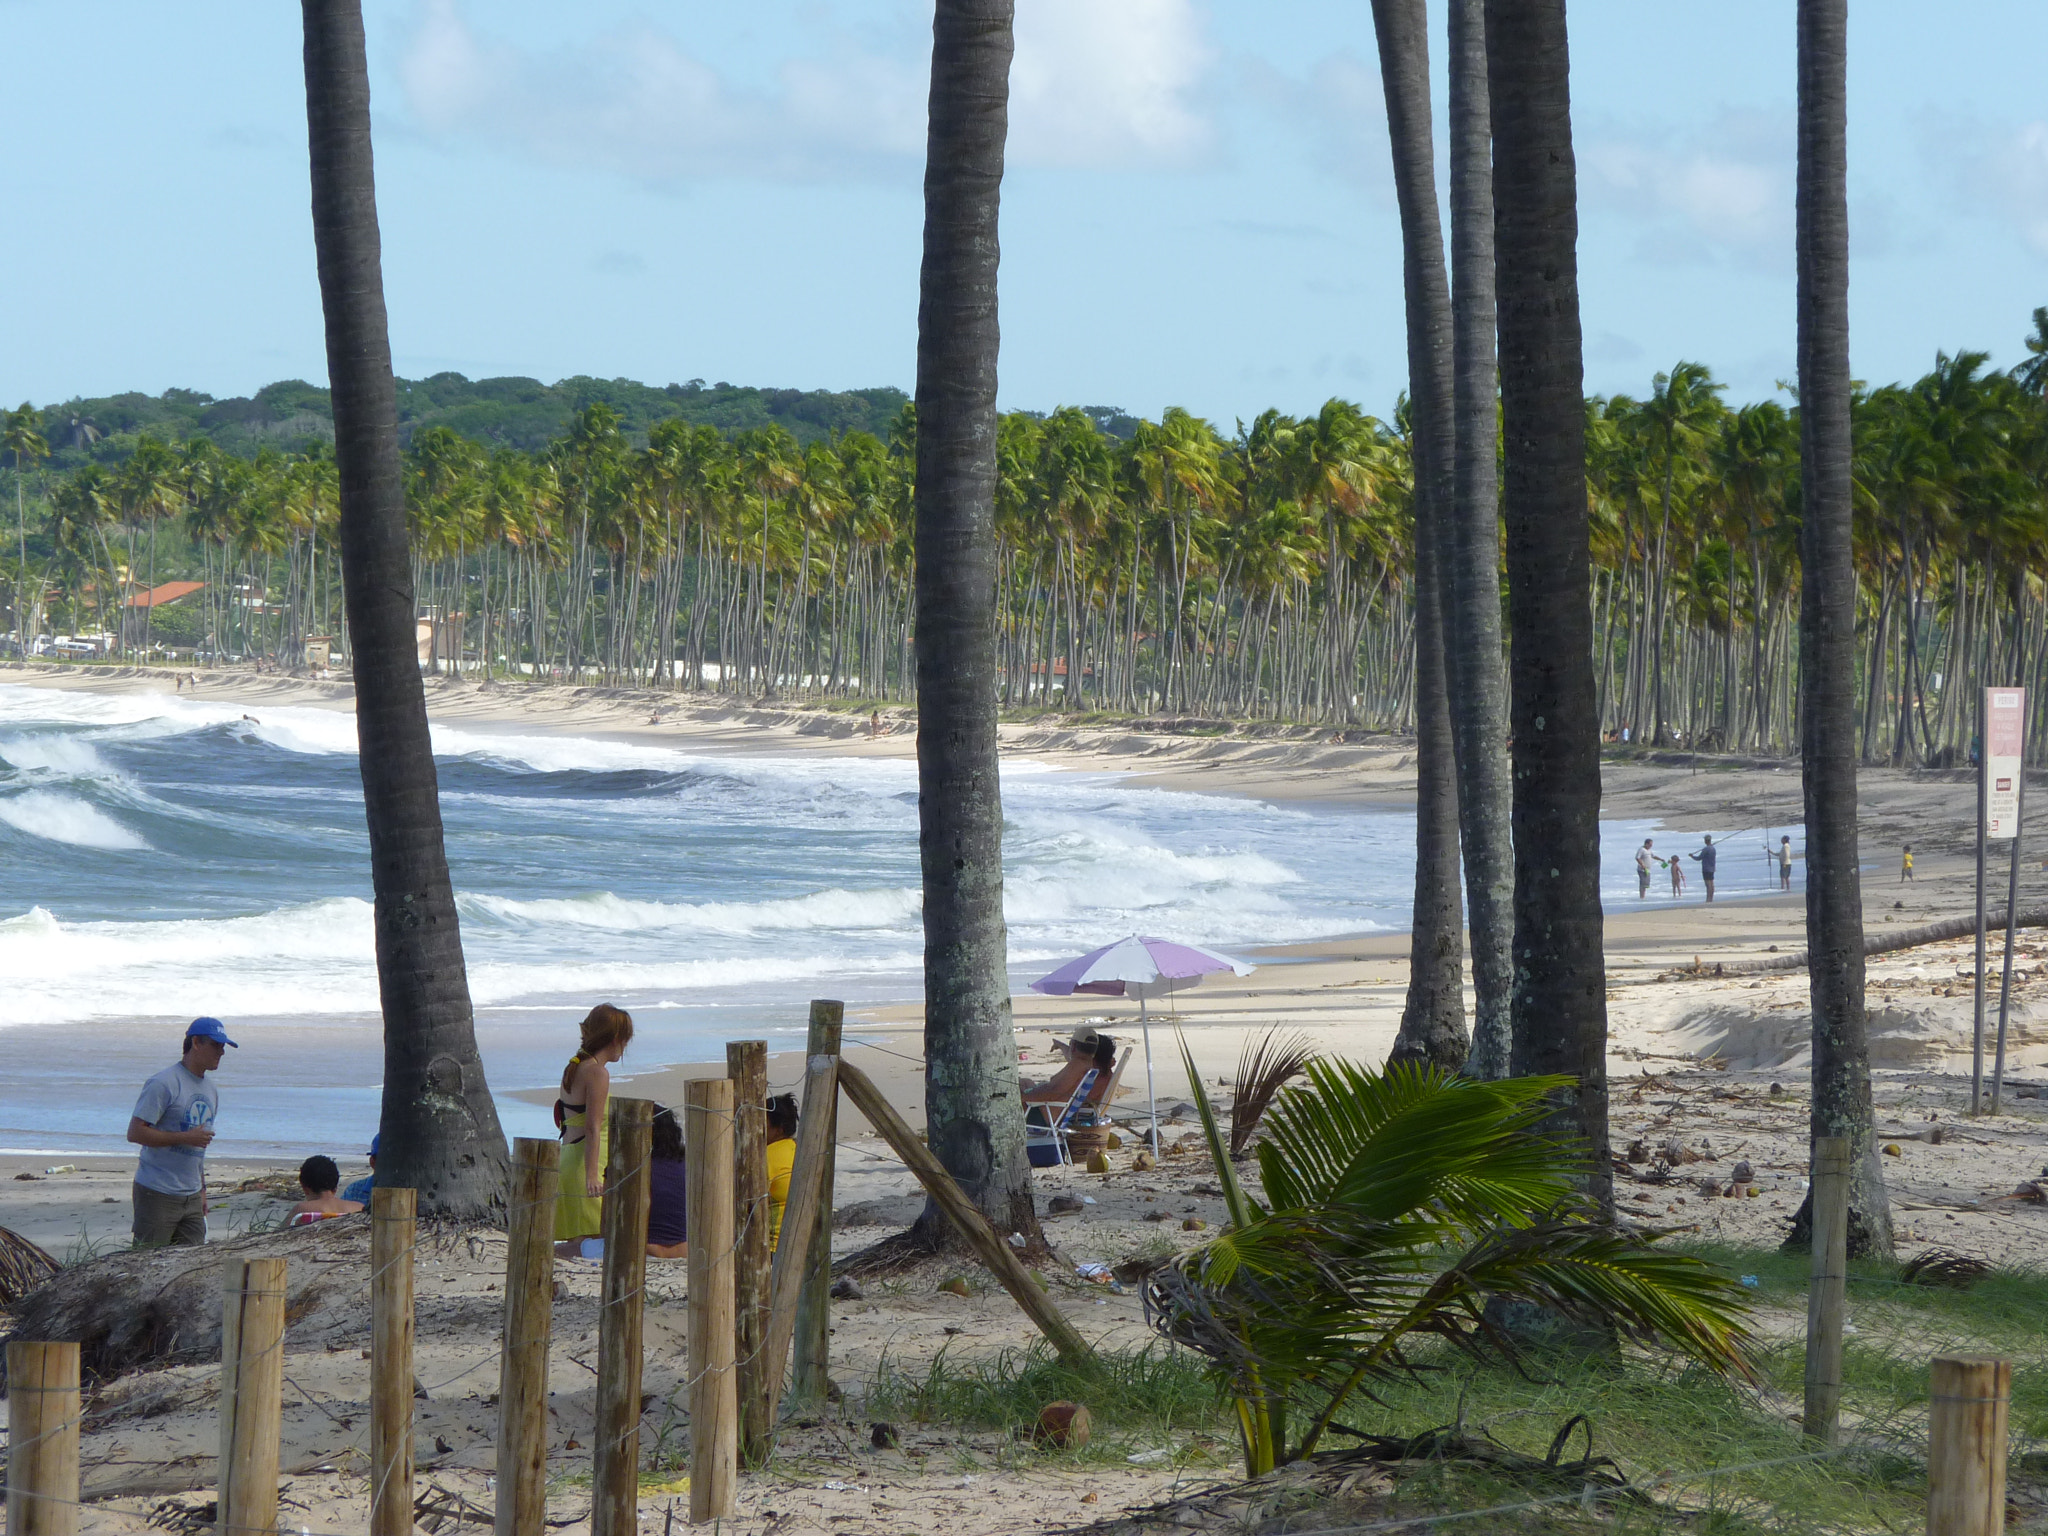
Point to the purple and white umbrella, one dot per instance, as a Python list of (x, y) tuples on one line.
[(1143, 968)]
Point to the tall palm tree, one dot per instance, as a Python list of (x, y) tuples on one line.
[(439, 1128), (1560, 997), (1479, 704), (1827, 630), (971, 1105), (1433, 1019), (24, 443)]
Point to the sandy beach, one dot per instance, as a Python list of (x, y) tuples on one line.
[(1707, 1069)]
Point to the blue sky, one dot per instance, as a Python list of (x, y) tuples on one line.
[(1198, 209)]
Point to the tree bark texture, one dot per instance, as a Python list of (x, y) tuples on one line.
[(1433, 1020), (1560, 998), (439, 1127), (975, 1122), (1479, 705), (1827, 632)]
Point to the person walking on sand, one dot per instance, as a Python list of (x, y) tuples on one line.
[(1708, 855), (579, 1115), (1906, 869), (1785, 862), (1644, 859), (173, 1125)]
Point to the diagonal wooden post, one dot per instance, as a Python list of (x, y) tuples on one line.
[(966, 1217), (392, 1221), (615, 1456), (746, 1064), (809, 1373), (529, 1319), (42, 1439)]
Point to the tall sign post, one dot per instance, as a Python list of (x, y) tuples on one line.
[(2000, 786)]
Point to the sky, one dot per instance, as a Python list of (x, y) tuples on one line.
[(1197, 209)]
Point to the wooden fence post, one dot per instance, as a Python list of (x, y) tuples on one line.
[(1827, 1294), (714, 1399), (615, 1456), (251, 1395), (786, 1276), (523, 1359), (1966, 1428), (809, 1374), (42, 1439), (746, 1064), (392, 1213)]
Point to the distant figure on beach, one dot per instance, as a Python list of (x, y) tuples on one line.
[(319, 1178), (173, 1123), (1644, 859), (579, 1114), (1785, 862), (668, 1199), (1677, 867), (359, 1191), (782, 1118), (1906, 869), (874, 725), (1708, 855)]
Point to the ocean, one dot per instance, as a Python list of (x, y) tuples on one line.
[(165, 856)]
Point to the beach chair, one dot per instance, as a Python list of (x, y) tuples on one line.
[(1046, 1145), (1098, 1113)]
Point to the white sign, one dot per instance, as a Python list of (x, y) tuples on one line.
[(2005, 714)]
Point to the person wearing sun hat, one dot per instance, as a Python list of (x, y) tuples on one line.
[(172, 1124), (1086, 1047)]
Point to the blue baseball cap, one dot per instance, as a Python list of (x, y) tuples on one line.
[(209, 1029), (373, 1143)]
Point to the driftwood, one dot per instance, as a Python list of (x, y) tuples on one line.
[(161, 1306), (23, 1267), (1882, 944)]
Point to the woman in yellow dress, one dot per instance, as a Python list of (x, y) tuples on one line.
[(781, 1160), (586, 1085)]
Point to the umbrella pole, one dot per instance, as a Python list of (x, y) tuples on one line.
[(1151, 1095)]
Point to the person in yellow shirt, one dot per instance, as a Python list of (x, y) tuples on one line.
[(1906, 869), (781, 1160)]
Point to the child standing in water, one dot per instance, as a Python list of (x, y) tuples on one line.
[(1906, 869), (579, 1112)]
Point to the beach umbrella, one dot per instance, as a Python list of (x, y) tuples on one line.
[(1143, 968)]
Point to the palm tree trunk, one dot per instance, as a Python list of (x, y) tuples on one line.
[(1433, 1020), (1479, 706), (1827, 632), (971, 1104), (439, 1127), (1560, 997)]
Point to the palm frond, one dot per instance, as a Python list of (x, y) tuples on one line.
[(1264, 1067), (1234, 1198)]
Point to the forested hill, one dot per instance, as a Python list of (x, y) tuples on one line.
[(520, 413)]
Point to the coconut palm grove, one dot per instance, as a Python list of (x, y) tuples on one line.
[(1264, 572)]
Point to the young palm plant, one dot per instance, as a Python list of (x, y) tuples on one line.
[(1398, 1204)]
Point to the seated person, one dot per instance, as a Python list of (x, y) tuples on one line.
[(781, 1160), (1087, 1048), (668, 1199), (319, 1178), (360, 1189)]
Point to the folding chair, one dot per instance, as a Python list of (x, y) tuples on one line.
[(1052, 1137)]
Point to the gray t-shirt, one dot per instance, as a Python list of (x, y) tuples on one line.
[(176, 1099)]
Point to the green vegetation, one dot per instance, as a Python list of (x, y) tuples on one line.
[(1403, 1206)]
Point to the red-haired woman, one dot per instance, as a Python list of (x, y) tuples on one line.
[(586, 1085)]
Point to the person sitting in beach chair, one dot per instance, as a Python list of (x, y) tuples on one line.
[(1085, 1051), (319, 1178)]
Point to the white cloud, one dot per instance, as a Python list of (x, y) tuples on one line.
[(1342, 109), (1996, 169), (1721, 193), (1093, 84)]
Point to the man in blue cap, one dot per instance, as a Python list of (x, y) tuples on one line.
[(172, 1123), (360, 1190)]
